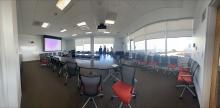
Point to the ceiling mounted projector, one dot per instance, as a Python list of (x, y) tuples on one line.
[(101, 27)]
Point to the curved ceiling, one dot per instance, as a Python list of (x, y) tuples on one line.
[(93, 12)]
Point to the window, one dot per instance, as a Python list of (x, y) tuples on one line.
[(156, 46), (108, 42), (140, 45), (179, 46), (82, 44), (128, 45)]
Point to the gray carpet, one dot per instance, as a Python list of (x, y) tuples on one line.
[(41, 88)]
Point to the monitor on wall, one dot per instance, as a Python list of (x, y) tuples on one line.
[(52, 43)]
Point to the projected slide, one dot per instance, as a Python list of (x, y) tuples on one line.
[(51, 44)]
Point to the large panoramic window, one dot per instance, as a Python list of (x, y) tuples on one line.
[(128, 46), (156, 46), (179, 46), (132, 45), (82, 44), (108, 42), (165, 38), (140, 45)]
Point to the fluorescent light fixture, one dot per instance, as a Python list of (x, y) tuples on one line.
[(106, 32), (109, 22), (74, 35), (81, 24), (63, 30), (45, 25), (61, 4), (88, 32)]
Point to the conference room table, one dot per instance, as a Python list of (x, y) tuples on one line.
[(105, 62)]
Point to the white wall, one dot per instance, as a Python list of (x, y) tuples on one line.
[(30, 51), (10, 89), (203, 54)]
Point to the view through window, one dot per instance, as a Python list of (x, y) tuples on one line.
[(82, 44), (156, 46), (108, 42)]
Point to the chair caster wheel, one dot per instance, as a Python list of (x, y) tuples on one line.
[(181, 98), (101, 96)]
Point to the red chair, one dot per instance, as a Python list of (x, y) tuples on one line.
[(124, 88), (186, 77), (44, 61)]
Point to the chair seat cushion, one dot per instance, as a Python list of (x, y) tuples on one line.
[(123, 91), (44, 61), (184, 77), (181, 69)]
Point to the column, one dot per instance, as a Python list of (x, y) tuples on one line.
[(10, 92)]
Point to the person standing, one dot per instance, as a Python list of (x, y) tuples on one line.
[(111, 51), (100, 50), (104, 50)]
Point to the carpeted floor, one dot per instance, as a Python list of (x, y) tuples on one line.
[(41, 88)]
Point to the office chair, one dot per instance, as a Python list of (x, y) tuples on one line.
[(124, 89), (90, 87), (44, 60), (70, 71), (186, 77), (56, 64)]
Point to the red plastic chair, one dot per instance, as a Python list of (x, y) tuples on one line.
[(124, 89)]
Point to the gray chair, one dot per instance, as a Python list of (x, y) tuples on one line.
[(90, 87), (70, 71)]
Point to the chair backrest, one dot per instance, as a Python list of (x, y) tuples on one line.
[(90, 85), (194, 68), (128, 74), (173, 60), (156, 58), (71, 68), (149, 58), (163, 60)]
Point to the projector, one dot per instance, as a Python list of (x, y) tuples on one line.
[(102, 27)]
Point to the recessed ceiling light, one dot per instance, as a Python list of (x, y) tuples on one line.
[(109, 22), (81, 24), (45, 25), (74, 35), (63, 30), (106, 32), (61, 4), (88, 32)]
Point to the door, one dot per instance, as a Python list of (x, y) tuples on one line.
[(215, 89)]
